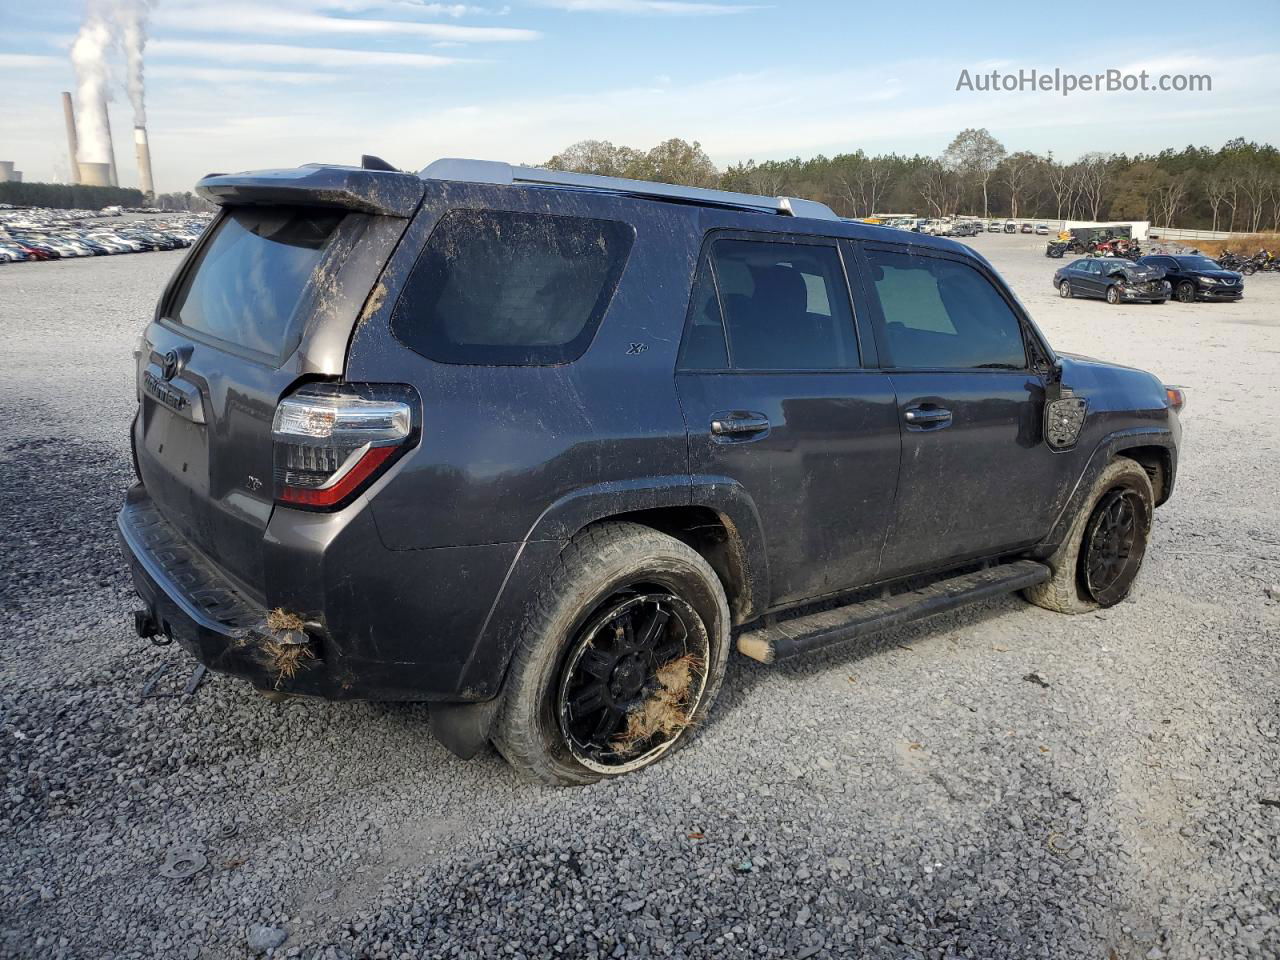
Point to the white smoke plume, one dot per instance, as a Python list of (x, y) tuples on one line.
[(89, 57), (107, 24), (131, 16)]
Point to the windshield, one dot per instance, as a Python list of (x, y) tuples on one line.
[(249, 279), (1199, 263)]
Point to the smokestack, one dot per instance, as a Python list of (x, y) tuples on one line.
[(111, 145), (95, 174), (144, 162), (6, 171), (73, 144)]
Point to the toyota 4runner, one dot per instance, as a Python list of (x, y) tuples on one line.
[(536, 447)]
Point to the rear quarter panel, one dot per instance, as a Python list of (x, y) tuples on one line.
[(503, 445)]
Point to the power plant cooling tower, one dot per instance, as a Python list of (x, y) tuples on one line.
[(144, 162), (95, 174), (73, 142)]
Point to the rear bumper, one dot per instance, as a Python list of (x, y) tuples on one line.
[(381, 625), (190, 602)]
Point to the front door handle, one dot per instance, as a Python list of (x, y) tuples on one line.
[(739, 425), (922, 417)]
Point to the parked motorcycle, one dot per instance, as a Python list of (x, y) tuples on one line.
[(1055, 249)]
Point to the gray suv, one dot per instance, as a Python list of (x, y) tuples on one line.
[(534, 447)]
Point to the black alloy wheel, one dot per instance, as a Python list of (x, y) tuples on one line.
[(631, 680), (1114, 544)]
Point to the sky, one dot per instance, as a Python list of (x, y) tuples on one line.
[(249, 84)]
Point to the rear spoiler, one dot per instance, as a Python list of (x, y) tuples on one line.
[(386, 193)]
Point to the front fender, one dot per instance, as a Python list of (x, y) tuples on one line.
[(1104, 451)]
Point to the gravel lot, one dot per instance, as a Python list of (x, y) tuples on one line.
[(910, 796)]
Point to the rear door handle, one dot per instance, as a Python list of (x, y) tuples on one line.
[(735, 426), (923, 417)]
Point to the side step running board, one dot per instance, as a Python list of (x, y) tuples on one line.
[(802, 634)]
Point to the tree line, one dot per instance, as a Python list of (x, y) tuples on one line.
[(78, 196), (67, 196), (1236, 187)]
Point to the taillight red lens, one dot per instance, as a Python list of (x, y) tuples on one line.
[(332, 440)]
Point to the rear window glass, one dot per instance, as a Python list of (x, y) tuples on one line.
[(496, 287), (250, 277)]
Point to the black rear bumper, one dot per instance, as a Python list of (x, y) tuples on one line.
[(188, 600)]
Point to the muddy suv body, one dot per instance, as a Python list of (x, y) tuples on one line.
[(529, 446)]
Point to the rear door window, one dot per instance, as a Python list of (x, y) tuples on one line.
[(249, 280), (943, 314), (498, 287), (785, 305)]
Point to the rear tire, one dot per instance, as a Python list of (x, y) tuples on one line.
[(1064, 289), (1073, 588), (579, 644)]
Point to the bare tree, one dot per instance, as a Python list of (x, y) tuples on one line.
[(1253, 180), (864, 182), (1169, 197), (1060, 179), (1017, 171), (1215, 191), (1095, 174), (975, 153)]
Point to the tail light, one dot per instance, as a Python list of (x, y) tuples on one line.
[(333, 440)]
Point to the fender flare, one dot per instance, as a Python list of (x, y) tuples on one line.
[(486, 667), (1106, 448)]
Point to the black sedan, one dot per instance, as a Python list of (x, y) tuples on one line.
[(1113, 280), (1197, 278)]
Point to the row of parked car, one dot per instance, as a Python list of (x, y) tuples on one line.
[(45, 235), (961, 226), (1150, 279)]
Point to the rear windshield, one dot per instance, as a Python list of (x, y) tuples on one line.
[(498, 287), (249, 279)]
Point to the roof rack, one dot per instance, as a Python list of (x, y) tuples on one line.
[(494, 171)]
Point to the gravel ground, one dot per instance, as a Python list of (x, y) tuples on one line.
[(912, 796)]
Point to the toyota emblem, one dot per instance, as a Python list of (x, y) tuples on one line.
[(169, 365)]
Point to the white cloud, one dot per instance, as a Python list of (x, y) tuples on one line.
[(673, 8), (243, 18), (260, 79), (30, 61), (290, 54)]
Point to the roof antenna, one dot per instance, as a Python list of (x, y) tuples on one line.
[(369, 162)]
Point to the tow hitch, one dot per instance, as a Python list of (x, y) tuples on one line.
[(144, 623)]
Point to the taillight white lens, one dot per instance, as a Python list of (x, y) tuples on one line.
[(331, 440)]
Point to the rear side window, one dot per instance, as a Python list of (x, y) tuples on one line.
[(785, 306), (943, 314), (704, 346), (251, 275), (496, 287)]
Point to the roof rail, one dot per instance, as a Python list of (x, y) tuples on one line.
[(494, 171)]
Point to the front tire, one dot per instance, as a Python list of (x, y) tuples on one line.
[(1113, 294), (1097, 563), (1186, 292), (623, 654)]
